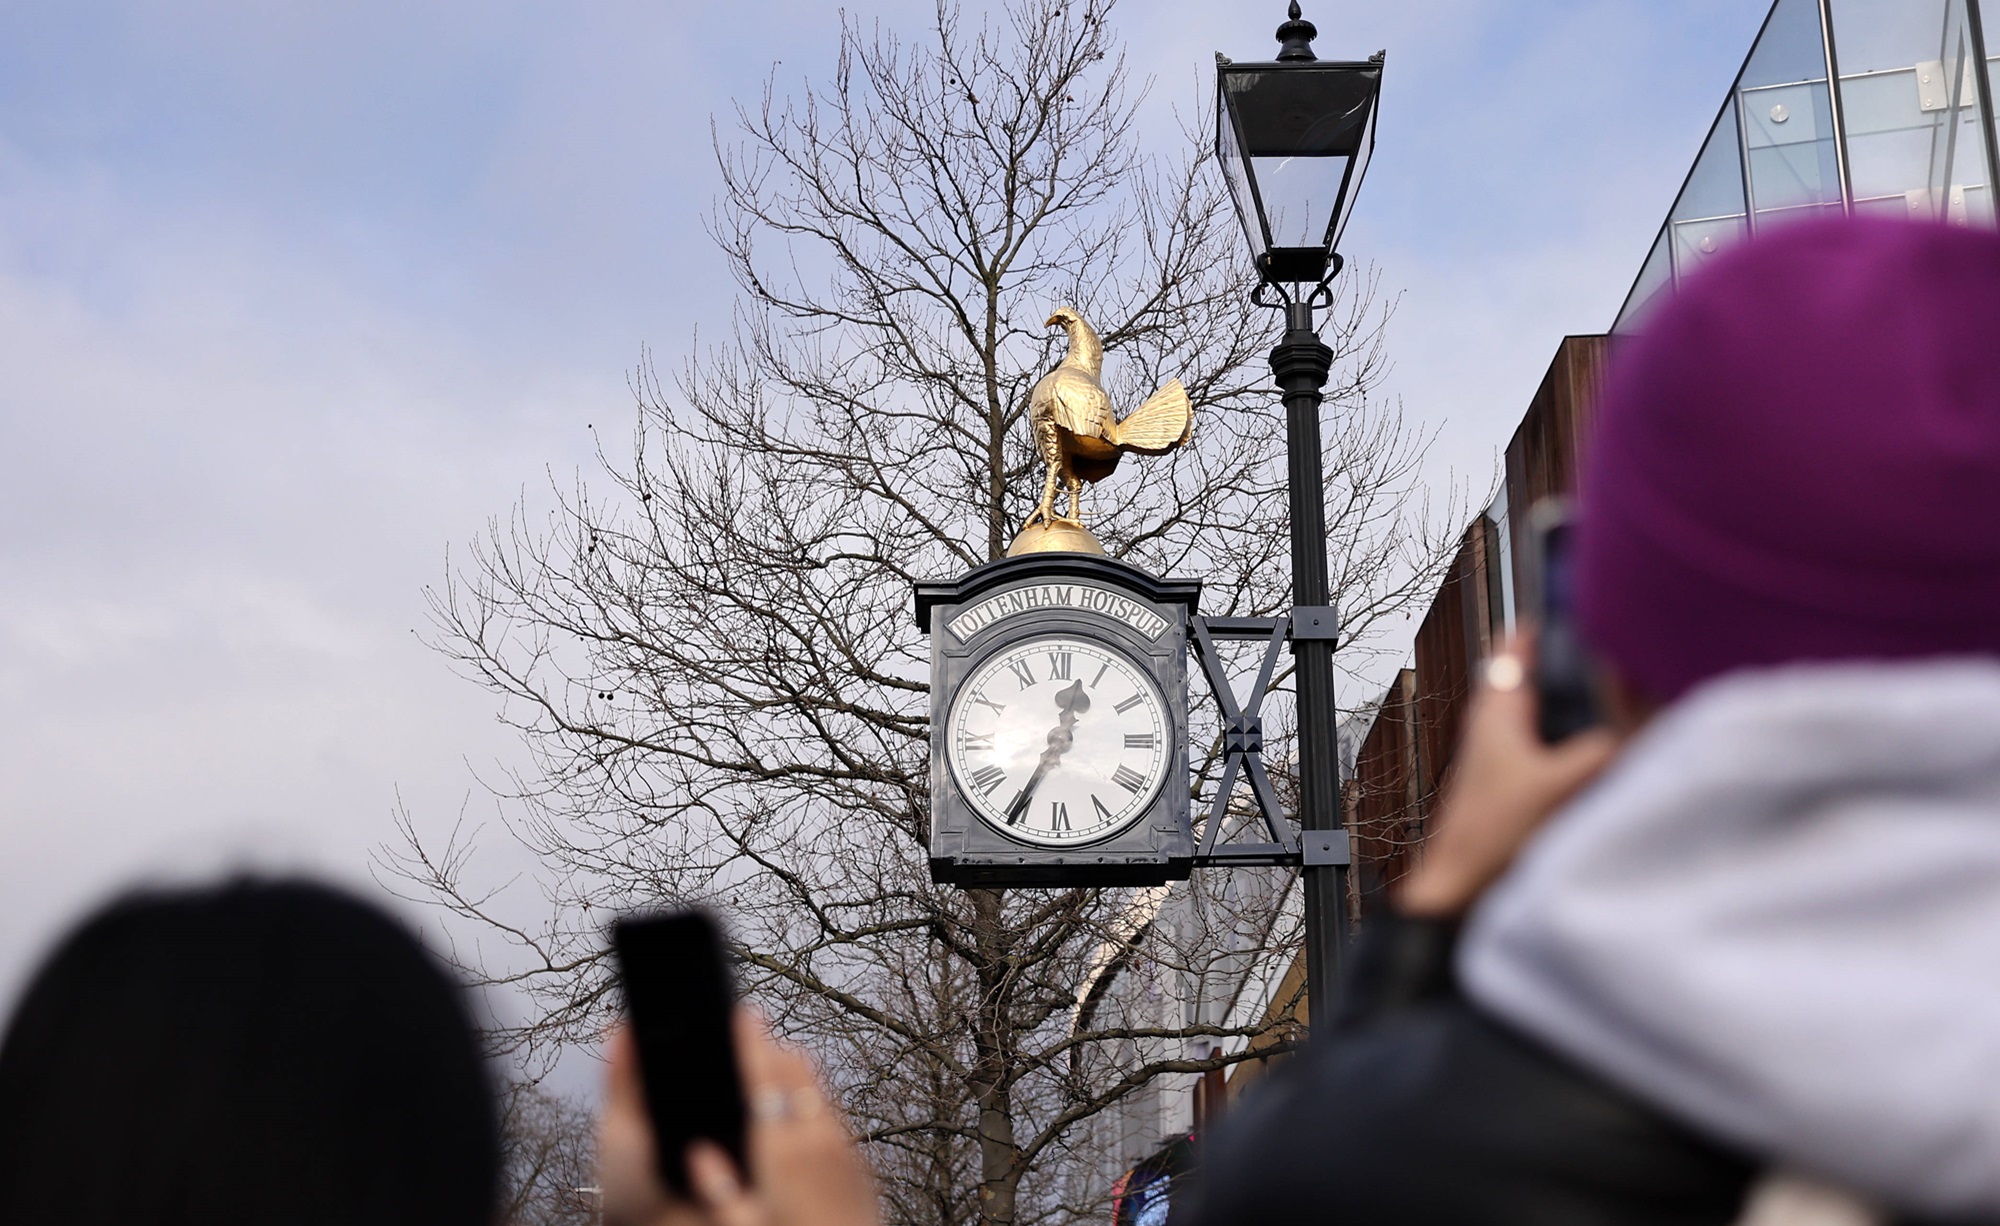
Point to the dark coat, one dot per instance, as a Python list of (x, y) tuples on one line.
[(1422, 1109)]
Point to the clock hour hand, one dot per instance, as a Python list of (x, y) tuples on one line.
[(1072, 702)]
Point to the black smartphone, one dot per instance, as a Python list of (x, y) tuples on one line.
[(680, 1001), (1565, 677)]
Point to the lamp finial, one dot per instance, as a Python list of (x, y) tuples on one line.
[(1296, 35)]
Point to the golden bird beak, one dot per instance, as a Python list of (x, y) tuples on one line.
[(1053, 321)]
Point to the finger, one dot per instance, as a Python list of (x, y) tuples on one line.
[(1582, 757), (621, 1067), (627, 1171), (766, 1063), (1520, 643), (1504, 706), (718, 1188)]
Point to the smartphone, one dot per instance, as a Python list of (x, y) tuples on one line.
[(1565, 677), (680, 1001)]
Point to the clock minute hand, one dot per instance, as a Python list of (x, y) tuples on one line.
[(1072, 702)]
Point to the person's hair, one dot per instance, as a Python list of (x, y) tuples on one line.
[(254, 1053)]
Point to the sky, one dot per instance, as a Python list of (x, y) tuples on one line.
[(294, 297)]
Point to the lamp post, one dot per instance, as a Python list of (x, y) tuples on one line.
[(1293, 137)]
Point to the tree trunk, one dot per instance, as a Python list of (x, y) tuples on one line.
[(999, 1156)]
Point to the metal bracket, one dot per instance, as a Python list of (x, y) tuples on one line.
[(1243, 742), (1315, 623), (1327, 847)]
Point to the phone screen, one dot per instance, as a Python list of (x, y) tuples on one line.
[(680, 999), (1565, 679)]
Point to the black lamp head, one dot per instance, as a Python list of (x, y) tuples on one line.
[(1293, 136)]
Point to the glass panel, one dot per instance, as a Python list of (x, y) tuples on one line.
[(1793, 165), (1706, 217), (1709, 214), (1958, 162), (1229, 152), (1790, 50), (1914, 144), (1695, 241), (1786, 117), (1790, 149), (1299, 194), (1885, 35), (1888, 138), (1300, 126), (1992, 80), (1654, 276), (1353, 189), (1714, 187)]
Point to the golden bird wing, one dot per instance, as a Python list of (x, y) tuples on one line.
[(1162, 423), (1074, 401)]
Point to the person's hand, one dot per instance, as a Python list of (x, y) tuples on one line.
[(1505, 783), (804, 1168), (629, 1187)]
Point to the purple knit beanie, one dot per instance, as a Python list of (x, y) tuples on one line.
[(1799, 459)]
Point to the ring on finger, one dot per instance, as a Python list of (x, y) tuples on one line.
[(776, 1105), (1505, 673)]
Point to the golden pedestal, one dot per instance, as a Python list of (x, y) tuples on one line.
[(1062, 536)]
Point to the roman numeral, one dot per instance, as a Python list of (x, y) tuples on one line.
[(1138, 740), (1129, 703), (969, 741), (986, 778), (988, 702), (1023, 672), (1098, 805), (1059, 662), (1100, 674), (1127, 778), (1058, 815)]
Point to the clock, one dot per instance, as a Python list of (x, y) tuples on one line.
[(1058, 723), (1058, 740)]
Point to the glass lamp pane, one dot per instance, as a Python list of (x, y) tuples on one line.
[(1287, 135), (1299, 197), (1354, 174), (1236, 171)]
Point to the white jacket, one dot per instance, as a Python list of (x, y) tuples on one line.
[(1778, 918)]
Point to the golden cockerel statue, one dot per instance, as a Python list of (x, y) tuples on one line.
[(1076, 433)]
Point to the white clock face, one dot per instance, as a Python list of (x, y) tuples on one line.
[(1059, 741)]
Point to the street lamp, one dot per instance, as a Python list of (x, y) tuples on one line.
[(1294, 137)]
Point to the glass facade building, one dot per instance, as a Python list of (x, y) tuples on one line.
[(1861, 106)]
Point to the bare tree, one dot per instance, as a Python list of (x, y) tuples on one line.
[(548, 1158), (710, 649)]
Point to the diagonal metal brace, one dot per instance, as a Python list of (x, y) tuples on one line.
[(1243, 739)]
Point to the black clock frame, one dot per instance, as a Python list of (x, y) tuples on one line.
[(964, 848)]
